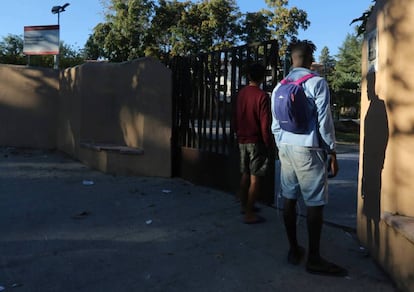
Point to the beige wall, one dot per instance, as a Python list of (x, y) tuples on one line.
[(386, 178), (28, 103), (127, 106), (122, 104)]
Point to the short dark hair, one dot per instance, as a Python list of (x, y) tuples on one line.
[(256, 72), (304, 48)]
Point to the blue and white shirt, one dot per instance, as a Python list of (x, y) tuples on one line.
[(322, 133)]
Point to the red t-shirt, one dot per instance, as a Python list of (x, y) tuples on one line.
[(253, 117)]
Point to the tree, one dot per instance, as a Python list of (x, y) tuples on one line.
[(363, 19), (346, 78), (327, 61), (135, 28), (96, 46), (223, 22), (122, 37), (284, 22), (162, 38), (218, 24), (70, 56), (347, 73), (206, 26), (11, 50), (255, 27)]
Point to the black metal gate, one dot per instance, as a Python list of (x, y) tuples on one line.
[(204, 86)]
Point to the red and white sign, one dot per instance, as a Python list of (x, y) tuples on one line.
[(41, 40)]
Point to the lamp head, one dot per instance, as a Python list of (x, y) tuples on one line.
[(58, 9), (55, 9)]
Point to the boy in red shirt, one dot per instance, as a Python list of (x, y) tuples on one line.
[(252, 128)]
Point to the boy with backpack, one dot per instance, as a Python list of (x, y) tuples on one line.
[(304, 133)]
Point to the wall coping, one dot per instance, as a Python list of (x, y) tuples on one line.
[(112, 147), (402, 224)]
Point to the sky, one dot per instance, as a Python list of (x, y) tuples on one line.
[(330, 20)]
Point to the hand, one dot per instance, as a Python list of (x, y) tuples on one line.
[(333, 165)]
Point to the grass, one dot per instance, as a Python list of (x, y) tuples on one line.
[(347, 137), (347, 131)]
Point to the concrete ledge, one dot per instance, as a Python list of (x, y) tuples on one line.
[(112, 147), (402, 224)]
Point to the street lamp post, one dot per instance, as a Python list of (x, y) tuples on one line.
[(57, 10)]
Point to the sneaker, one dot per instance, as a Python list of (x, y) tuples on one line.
[(323, 267), (295, 256)]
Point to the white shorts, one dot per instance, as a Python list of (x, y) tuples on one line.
[(303, 172)]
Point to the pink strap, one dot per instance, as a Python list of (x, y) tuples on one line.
[(300, 80)]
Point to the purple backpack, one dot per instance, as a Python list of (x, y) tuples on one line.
[(291, 106)]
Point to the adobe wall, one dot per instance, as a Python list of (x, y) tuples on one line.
[(386, 178), (28, 106), (117, 117)]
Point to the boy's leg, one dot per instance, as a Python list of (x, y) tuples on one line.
[(244, 191), (289, 218), (316, 264), (253, 193), (314, 222), (258, 166), (255, 185), (296, 252)]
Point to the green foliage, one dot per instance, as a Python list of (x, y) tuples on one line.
[(363, 19), (326, 59), (70, 56), (207, 26), (254, 27), (285, 22), (347, 73), (328, 62), (347, 137), (95, 45), (11, 52), (163, 28), (345, 80), (122, 36), (163, 37), (135, 28)]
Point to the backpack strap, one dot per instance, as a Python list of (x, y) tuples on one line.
[(304, 78), (299, 81)]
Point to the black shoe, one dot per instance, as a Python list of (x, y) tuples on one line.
[(295, 256), (323, 267)]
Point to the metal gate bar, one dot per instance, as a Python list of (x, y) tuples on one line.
[(204, 92)]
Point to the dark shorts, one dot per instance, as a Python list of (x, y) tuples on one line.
[(253, 159)]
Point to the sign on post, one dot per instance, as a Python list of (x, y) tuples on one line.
[(41, 40)]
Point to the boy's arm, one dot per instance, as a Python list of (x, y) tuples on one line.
[(265, 122)]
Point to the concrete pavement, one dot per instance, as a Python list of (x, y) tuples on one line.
[(65, 227)]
